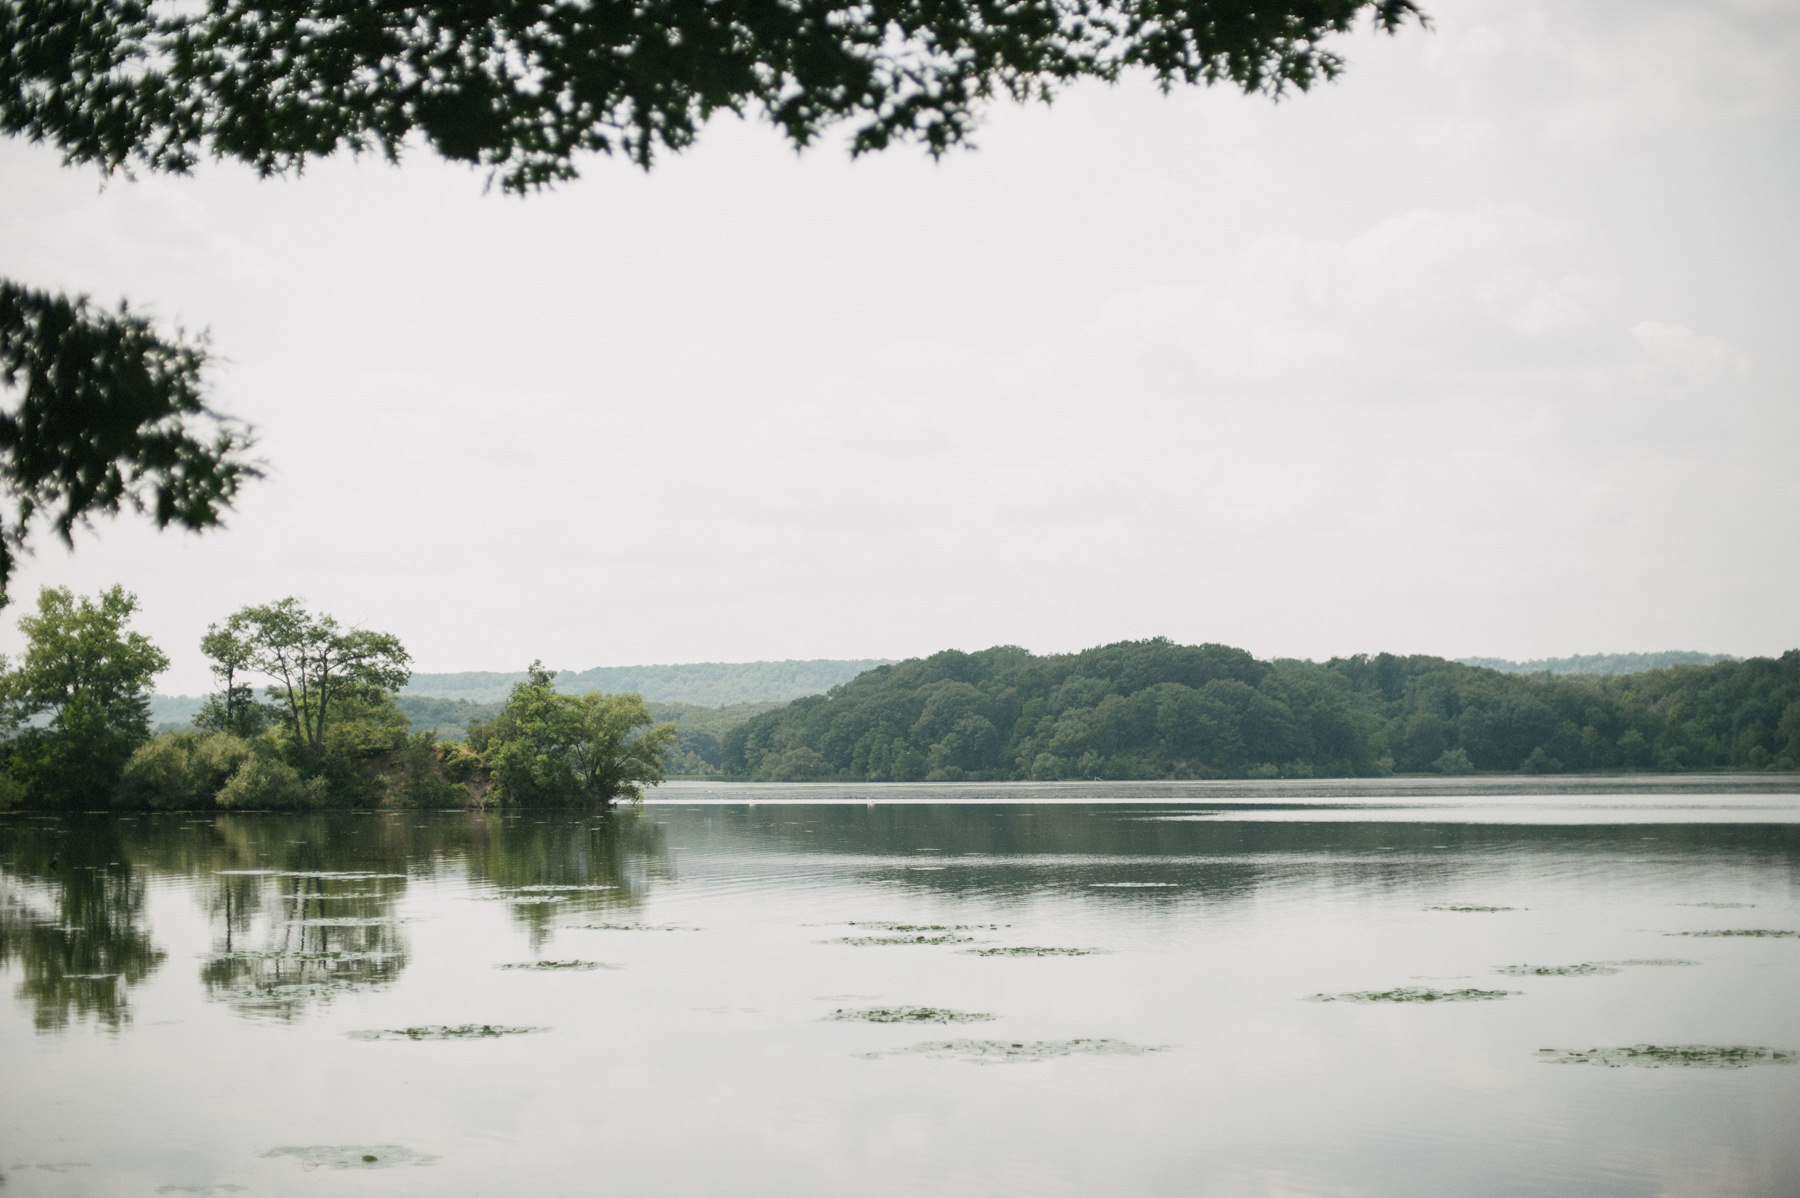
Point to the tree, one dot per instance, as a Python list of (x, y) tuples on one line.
[(234, 708), (549, 749), (108, 414), (522, 87), (312, 662), (92, 678)]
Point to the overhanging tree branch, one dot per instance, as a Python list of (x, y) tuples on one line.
[(102, 412)]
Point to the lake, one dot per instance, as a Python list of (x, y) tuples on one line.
[(1405, 987)]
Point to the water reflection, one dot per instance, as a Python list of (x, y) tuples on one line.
[(289, 940), (302, 908), (72, 917)]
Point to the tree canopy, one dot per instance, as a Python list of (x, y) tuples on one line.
[(90, 675), (1155, 709), (311, 661), (106, 410), (550, 749)]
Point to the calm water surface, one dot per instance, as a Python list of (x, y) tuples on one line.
[(255, 1004)]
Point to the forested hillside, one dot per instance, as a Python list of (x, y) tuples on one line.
[(699, 740), (703, 684), (1154, 709)]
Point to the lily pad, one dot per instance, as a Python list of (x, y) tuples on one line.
[(552, 965), (633, 927), (924, 927), (908, 1015), (1759, 933), (1473, 907), (1585, 969), (1660, 1056), (1033, 950), (1014, 1051), (354, 1156), (438, 1031), (902, 938), (1417, 994)]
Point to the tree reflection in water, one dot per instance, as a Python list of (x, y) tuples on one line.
[(71, 915)]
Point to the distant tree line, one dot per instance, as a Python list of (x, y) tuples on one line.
[(700, 684), (304, 717), (1155, 709), (1598, 663)]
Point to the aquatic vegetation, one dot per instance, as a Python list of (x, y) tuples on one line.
[(1415, 994), (633, 927), (908, 1015), (1585, 969), (902, 938), (1472, 907), (920, 927), (1657, 1056), (279, 955), (438, 1031), (1014, 1051), (572, 965), (1717, 906), (343, 921), (1760, 933), (354, 1156), (1650, 961), (1034, 950)]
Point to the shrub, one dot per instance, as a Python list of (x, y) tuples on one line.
[(267, 783)]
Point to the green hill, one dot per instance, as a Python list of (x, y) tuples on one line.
[(1155, 709), (703, 684)]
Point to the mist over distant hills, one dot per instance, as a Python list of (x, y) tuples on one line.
[(1598, 663)]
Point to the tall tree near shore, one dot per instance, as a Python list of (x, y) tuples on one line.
[(311, 661), (91, 676)]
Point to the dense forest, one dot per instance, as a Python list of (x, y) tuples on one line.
[(1155, 709)]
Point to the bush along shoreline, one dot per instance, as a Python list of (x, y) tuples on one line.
[(322, 730)]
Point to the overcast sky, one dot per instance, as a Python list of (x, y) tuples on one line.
[(1487, 348)]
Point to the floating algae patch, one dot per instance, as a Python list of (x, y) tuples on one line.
[(1418, 994), (343, 921), (902, 938), (632, 927), (923, 927), (908, 1015), (1663, 1056), (554, 965), (1585, 969), (1468, 907), (354, 1156), (1758, 933), (438, 1031), (1034, 950), (1014, 1051)]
